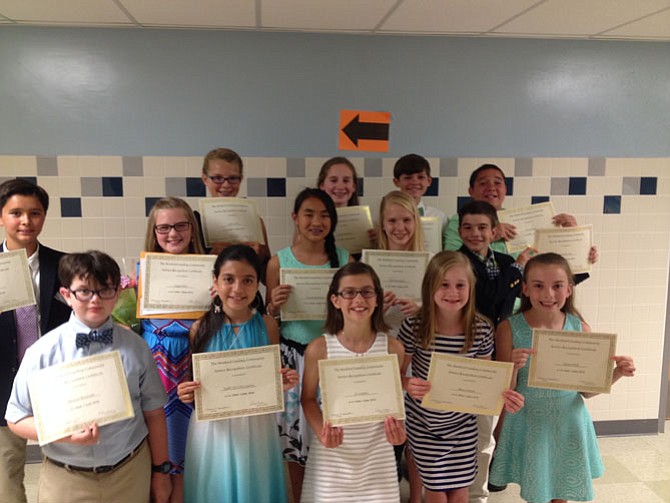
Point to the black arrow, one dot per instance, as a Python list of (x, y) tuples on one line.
[(357, 130)]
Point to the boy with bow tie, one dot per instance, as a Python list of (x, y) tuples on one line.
[(122, 461)]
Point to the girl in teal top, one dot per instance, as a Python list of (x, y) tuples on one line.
[(549, 447), (314, 247)]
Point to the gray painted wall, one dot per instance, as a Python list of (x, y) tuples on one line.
[(144, 92)]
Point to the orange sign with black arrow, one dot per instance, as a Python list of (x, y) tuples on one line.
[(364, 130)]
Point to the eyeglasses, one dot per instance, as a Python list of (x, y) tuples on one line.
[(85, 294), (220, 180), (166, 228), (350, 293)]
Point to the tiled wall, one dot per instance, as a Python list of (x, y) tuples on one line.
[(101, 202)]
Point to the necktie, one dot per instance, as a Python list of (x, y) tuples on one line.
[(83, 340), (26, 328)]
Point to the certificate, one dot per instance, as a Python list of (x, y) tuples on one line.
[(399, 271), (361, 390), (230, 220), (432, 233), (172, 284), (573, 243), (16, 284), (527, 220), (577, 361), (353, 224), (238, 383), (470, 385), (68, 396), (309, 292)]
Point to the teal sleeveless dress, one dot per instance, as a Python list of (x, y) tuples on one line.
[(549, 447), (236, 459)]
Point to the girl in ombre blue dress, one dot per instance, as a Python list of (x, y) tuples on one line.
[(237, 459), (172, 228)]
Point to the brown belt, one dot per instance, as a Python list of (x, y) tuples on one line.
[(99, 469)]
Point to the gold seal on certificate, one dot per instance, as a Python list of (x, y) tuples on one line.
[(399, 271), (230, 220), (526, 220), (470, 385), (361, 390), (432, 233), (353, 224), (238, 383), (309, 287), (16, 285), (575, 361), (573, 243), (68, 396), (171, 284)]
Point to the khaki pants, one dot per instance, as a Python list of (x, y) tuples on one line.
[(129, 483), (12, 462), (486, 444)]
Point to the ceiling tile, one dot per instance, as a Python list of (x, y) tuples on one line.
[(656, 26), (196, 13), (580, 17), (453, 16), (67, 12), (341, 15)]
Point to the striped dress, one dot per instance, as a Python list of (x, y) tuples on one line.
[(363, 467), (444, 444)]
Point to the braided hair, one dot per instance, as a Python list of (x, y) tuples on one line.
[(322, 196)]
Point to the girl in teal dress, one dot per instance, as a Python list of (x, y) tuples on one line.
[(314, 247), (235, 459), (549, 447)]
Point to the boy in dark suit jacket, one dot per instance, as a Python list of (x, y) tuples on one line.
[(499, 279), (23, 209)]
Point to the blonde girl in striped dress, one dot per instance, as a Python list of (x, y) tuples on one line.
[(350, 463)]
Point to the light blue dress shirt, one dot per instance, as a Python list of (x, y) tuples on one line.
[(146, 391)]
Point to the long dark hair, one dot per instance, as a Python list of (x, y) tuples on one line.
[(334, 319), (215, 317), (322, 196)]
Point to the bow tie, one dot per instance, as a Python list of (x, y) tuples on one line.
[(103, 337)]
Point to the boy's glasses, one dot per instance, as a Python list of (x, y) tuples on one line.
[(350, 293), (220, 180), (166, 228), (84, 294)]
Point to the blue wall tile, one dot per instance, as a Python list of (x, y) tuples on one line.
[(70, 207), (461, 200), (149, 203), (434, 188), (276, 187), (648, 185), (612, 204), (360, 187), (509, 182), (112, 186), (195, 187), (577, 186), (539, 199), (31, 179)]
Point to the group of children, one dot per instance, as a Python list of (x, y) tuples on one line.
[(467, 300)]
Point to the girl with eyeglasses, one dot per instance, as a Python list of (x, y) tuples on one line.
[(354, 462), (222, 175), (314, 247), (172, 228)]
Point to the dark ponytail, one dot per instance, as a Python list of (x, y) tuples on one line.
[(322, 196)]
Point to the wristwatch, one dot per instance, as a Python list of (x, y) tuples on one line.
[(163, 468)]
